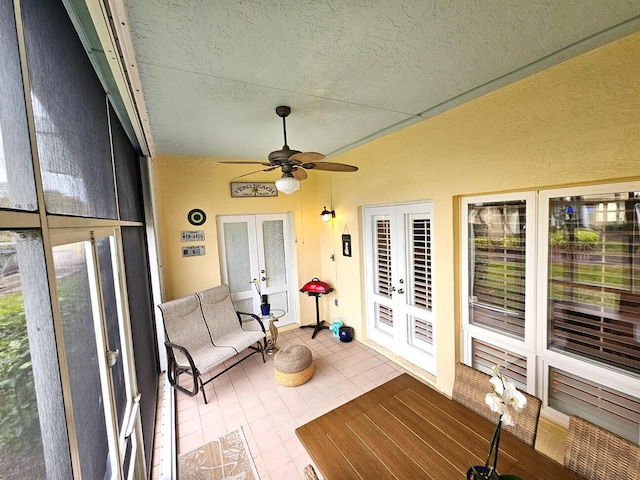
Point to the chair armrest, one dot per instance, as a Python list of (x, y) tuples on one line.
[(254, 317), (174, 370)]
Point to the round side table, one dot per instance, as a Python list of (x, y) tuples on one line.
[(273, 330)]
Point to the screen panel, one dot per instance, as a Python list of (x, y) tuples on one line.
[(17, 185), (70, 115), (127, 168)]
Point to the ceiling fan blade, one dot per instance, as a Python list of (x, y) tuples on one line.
[(255, 171), (306, 157), (266, 164), (299, 173), (330, 166)]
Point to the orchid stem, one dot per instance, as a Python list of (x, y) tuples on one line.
[(495, 445)]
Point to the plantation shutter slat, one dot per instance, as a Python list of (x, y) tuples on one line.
[(383, 273), (421, 263), (423, 330), (598, 404), (594, 278), (497, 258), (383, 257), (486, 356)]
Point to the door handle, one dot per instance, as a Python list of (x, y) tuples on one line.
[(112, 357), (264, 279), (401, 291)]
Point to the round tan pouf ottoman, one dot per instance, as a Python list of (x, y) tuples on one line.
[(293, 365)]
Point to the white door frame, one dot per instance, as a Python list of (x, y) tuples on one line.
[(394, 296), (256, 255)]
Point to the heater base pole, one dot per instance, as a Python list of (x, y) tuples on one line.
[(319, 323)]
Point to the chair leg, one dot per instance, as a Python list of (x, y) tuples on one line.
[(204, 394)]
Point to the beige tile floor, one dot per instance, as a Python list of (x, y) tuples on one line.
[(248, 396)]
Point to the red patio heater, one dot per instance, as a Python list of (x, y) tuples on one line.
[(315, 288)]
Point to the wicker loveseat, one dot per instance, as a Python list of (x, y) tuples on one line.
[(202, 331)]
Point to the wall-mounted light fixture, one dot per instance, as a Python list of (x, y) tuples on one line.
[(327, 214)]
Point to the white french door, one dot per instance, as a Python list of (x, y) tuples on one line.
[(104, 400), (399, 288), (259, 247)]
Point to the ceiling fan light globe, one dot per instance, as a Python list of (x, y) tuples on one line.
[(287, 184)]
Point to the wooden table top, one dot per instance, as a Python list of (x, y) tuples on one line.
[(405, 429)]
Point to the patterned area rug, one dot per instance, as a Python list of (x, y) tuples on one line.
[(227, 458)]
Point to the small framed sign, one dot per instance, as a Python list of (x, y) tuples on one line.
[(346, 245), (253, 189)]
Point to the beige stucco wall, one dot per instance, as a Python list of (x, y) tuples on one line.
[(575, 123)]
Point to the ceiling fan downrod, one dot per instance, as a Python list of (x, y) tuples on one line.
[(283, 111)]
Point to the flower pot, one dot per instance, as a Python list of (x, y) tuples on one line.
[(481, 473), (484, 474), (265, 309), (345, 334)]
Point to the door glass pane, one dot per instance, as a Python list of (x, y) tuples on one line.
[(236, 249), (74, 296), (419, 258), (143, 333), (21, 449), (112, 320), (17, 183), (244, 305), (594, 278), (274, 255), (279, 301), (497, 266), (382, 256)]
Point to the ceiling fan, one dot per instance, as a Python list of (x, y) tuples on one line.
[(293, 163)]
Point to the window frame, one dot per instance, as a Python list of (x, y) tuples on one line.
[(540, 359), (546, 359), (526, 346)]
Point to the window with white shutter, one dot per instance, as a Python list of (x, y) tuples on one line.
[(556, 300), (497, 245), (594, 278)]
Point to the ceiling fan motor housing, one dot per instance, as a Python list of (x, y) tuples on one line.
[(278, 157)]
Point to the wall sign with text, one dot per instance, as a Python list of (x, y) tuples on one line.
[(253, 189), (346, 245)]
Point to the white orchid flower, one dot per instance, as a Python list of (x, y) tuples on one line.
[(507, 419), (495, 403), (498, 386), (504, 395), (513, 398)]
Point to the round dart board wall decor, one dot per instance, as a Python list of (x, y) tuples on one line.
[(196, 217)]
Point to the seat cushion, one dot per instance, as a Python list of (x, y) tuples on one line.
[(293, 365)]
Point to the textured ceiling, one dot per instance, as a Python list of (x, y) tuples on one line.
[(212, 72)]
